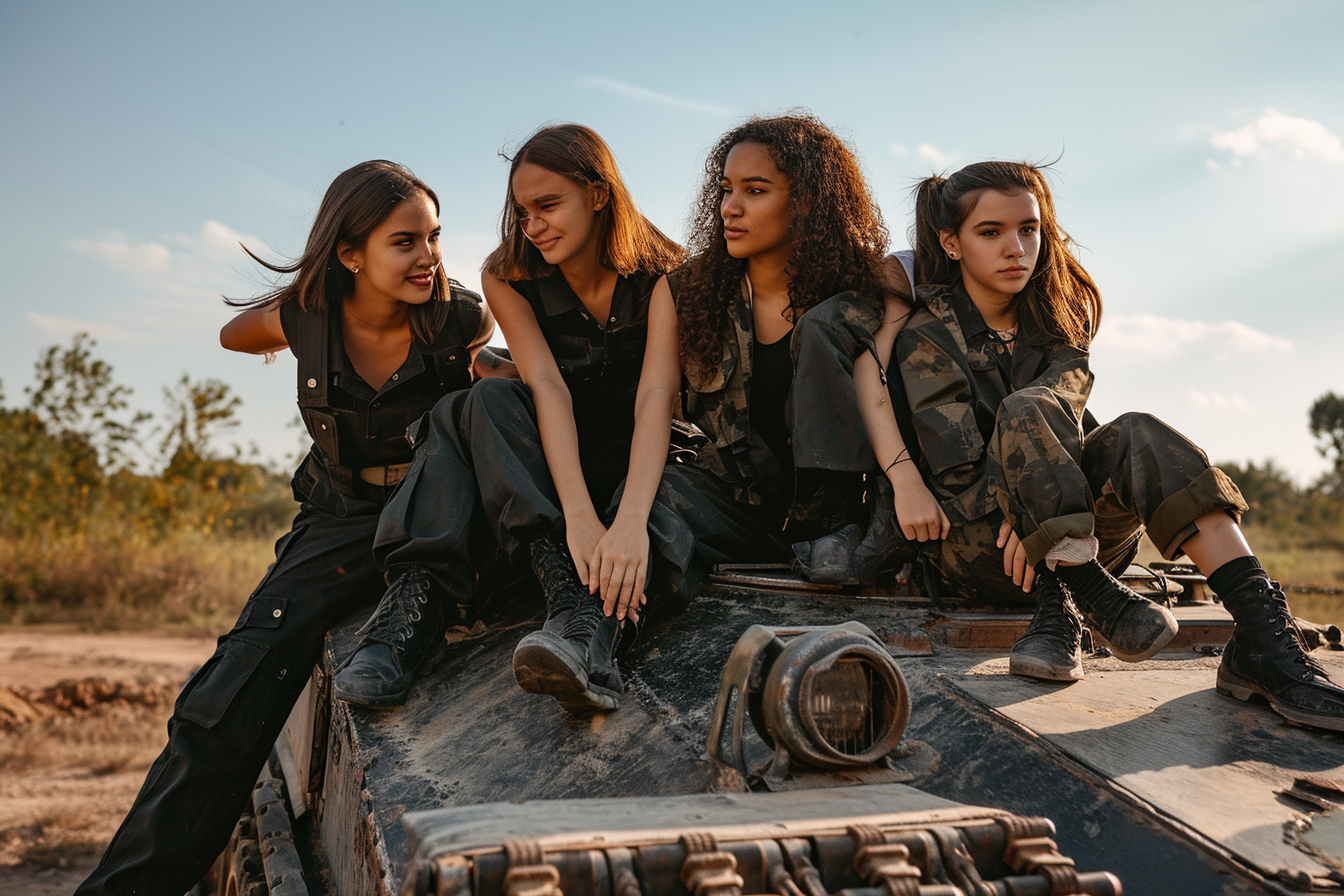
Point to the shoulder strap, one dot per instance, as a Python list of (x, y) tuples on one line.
[(307, 334)]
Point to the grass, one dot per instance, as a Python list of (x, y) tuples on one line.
[(1309, 564), (109, 580)]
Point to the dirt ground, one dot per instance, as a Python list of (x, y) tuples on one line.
[(81, 719)]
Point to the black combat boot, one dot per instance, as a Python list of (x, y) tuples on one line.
[(402, 633), (1052, 647), (1265, 657), (573, 657), (854, 556), (1135, 627)]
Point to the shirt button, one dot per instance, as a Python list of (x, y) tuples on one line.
[(612, 319), (312, 383), (276, 613), (324, 427), (452, 358), (377, 404), (395, 377)]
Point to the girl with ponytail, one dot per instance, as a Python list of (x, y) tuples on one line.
[(1044, 501)]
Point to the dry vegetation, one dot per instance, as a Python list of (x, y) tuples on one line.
[(121, 579)]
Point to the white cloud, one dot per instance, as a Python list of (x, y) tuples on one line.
[(1148, 335), (1215, 401), (643, 94), (1275, 134), (935, 156), (68, 326), (117, 251), (172, 286), (900, 149)]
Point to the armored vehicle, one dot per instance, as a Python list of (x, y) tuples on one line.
[(765, 747)]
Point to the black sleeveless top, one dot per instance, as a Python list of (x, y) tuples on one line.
[(600, 361), (771, 379)]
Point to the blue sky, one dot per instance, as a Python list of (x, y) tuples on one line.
[(1199, 143)]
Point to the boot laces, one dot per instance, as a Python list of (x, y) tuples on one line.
[(559, 579), (393, 622), (1055, 615), (1286, 631), (583, 623)]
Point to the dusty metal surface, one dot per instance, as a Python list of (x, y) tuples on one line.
[(468, 735), (1160, 731)]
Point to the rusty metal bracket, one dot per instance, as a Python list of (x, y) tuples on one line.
[(529, 873), (884, 864), (708, 870)]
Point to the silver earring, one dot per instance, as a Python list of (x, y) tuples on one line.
[(952, 255), (355, 269)]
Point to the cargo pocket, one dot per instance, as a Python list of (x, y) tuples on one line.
[(948, 436), (211, 693)]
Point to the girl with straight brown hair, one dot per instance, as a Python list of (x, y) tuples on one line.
[(380, 334), (570, 284)]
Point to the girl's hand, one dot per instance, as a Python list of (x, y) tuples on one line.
[(582, 534), (917, 511), (618, 570), (1015, 564)]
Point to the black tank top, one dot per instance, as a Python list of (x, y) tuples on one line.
[(771, 379)]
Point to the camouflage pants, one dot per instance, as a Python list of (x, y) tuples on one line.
[(1127, 476)]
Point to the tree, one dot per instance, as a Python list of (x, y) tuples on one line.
[(1327, 425), (1271, 495), (77, 402), (198, 412)]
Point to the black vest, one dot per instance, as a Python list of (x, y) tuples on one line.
[(315, 337)]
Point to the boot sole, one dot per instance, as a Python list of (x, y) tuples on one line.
[(388, 700), (1243, 690), (1032, 668), (541, 667)]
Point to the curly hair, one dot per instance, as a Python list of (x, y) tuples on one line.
[(836, 235), (629, 241), (1061, 303)]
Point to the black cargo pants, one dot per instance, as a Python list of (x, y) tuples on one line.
[(229, 714), (491, 431)]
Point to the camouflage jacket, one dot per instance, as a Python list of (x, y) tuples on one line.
[(956, 373), (717, 402)]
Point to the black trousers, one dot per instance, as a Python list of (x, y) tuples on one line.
[(229, 714), (492, 432)]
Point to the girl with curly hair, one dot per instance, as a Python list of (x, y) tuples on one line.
[(1042, 498), (784, 225)]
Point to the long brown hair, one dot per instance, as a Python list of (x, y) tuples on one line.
[(1061, 303), (358, 200), (630, 242), (837, 238)]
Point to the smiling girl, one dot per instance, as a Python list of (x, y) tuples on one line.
[(1042, 499), (570, 284), (380, 334)]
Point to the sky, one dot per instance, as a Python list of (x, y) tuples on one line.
[(1197, 158)]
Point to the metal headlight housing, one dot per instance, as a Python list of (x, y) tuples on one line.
[(831, 697)]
